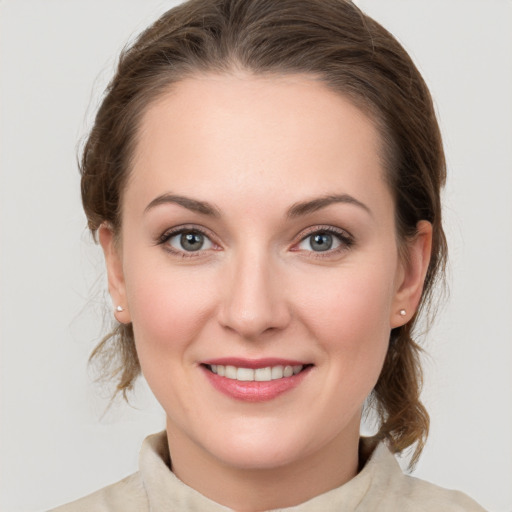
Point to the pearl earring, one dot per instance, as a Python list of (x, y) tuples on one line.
[(403, 312), (119, 309)]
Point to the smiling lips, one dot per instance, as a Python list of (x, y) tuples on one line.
[(258, 375), (254, 381)]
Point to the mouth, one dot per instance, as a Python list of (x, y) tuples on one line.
[(265, 374), (255, 380)]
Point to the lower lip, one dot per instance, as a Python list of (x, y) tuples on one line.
[(255, 391)]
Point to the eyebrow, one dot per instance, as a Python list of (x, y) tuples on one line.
[(307, 207), (297, 210), (191, 204)]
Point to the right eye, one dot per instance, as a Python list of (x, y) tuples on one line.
[(188, 240)]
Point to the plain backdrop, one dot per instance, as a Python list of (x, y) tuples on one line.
[(57, 442)]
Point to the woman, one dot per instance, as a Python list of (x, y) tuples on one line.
[(264, 179)]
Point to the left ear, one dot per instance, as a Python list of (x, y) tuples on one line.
[(411, 275)]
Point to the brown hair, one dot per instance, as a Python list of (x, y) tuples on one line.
[(349, 52)]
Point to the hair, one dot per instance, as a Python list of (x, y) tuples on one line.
[(350, 53)]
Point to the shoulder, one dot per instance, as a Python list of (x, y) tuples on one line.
[(422, 495), (127, 495), (397, 491)]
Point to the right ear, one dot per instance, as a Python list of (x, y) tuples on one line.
[(114, 263)]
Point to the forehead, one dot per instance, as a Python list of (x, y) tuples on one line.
[(210, 133)]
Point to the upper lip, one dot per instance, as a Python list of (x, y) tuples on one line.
[(241, 362)]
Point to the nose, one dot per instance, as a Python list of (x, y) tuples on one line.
[(254, 300)]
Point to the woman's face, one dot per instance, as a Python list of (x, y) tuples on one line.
[(258, 241)]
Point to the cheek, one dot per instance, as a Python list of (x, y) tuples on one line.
[(349, 313), (167, 308)]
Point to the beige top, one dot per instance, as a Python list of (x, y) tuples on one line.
[(379, 486)]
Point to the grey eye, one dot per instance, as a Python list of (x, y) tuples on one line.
[(190, 241), (319, 242)]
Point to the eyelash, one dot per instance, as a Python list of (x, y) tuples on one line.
[(346, 240), (165, 237)]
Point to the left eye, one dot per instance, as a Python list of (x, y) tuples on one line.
[(190, 241), (320, 241)]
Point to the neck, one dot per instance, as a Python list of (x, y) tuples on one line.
[(254, 490)]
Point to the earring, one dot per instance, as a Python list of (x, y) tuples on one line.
[(119, 309), (403, 312)]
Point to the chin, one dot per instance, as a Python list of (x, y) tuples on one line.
[(260, 455), (268, 446)]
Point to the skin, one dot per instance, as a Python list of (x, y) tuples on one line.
[(253, 147)]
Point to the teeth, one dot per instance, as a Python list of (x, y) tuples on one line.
[(263, 374), (245, 374), (260, 374), (288, 371), (230, 372), (277, 372)]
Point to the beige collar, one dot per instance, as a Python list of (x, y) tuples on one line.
[(166, 492)]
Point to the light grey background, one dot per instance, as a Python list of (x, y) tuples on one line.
[(56, 56)]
